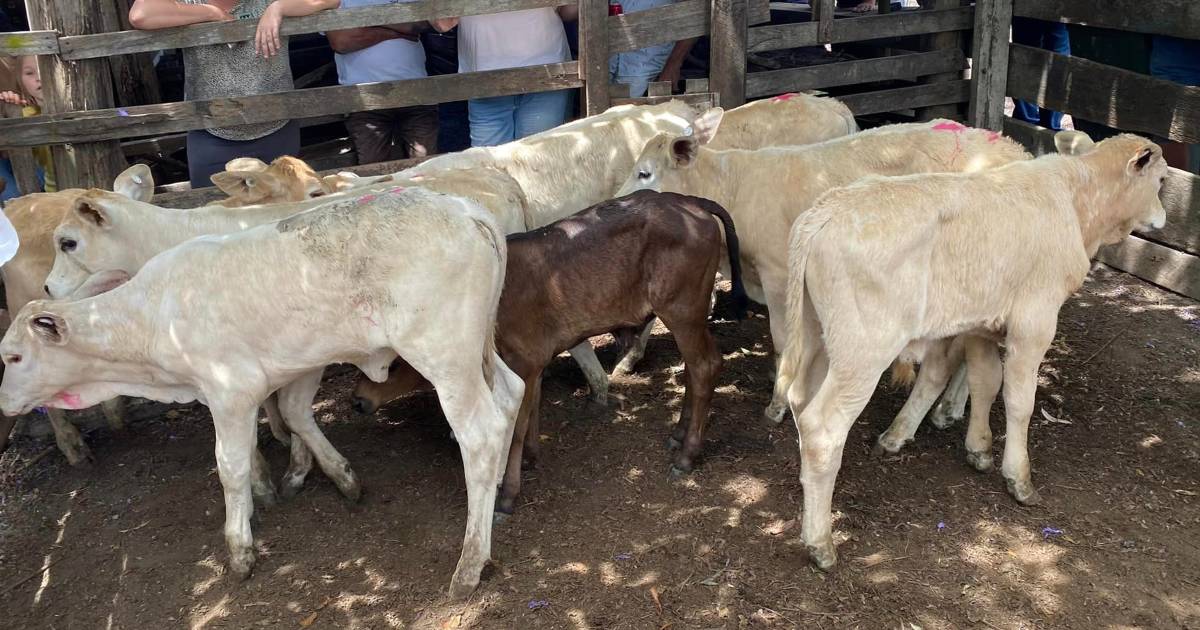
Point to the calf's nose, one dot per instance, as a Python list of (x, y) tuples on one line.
[(46, 288), (362, 405)]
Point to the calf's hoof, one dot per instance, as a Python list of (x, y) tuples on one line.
[(500, 518), (598, 395), (461, 587), (362, 406), (241, 563), (942, 417), (680, 469), (886, 446), (266, 498), (349, 485), (1023, 492), (674, 443), (626, 366), (981, 461), (823, 555), (774, 413), (78, 454), (290, 486)]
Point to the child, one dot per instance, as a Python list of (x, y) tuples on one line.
[(29, 98)]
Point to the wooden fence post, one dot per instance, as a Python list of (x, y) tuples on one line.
[(942, 41), (593, 54), (77, 85), (727, 51), (989, 63), (134, 78), (822, 14)]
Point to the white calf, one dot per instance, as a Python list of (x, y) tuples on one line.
[(882, 268), (404, 272)]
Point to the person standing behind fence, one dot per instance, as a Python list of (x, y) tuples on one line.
[(8, 83), (637, 68), (29, 98), (233, 70), (1177, 60), (512, 40), (385, 53), (1050, 36)]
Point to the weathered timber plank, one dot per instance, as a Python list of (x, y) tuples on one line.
[(1180, 193), (758, 11), (705, 99), (727, 51), (199, 196), (659, 25), (990, 63), (106, 124), (1173, 270), (1098, 92), (28, 43), (822, 16), (1179, 18), (943, 93), (942, 41), (593, 55), (902, 24), (851, 72), (123, 42)]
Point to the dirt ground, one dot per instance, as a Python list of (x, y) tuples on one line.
[(604, 539)]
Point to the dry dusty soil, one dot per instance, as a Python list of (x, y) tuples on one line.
[(604, 539)]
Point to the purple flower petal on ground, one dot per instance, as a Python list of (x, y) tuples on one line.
[(622, 556), (941, 525), (122, 112), (536, 604), (1047, 532)]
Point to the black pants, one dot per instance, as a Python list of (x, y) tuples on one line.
[(207, 154)]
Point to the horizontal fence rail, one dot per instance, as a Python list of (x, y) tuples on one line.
[(1104, 94), (851, 72), (865, 28), (110, 124), (1178, 18)]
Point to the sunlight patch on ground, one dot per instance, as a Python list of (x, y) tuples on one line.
[(578, 568), (1023, 558), (216, 567), (746, 490), (203, 615)]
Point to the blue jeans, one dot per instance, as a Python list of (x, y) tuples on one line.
[(1050, 36), (10, 181), (502, 119)]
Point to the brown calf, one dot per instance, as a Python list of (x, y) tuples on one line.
[(612, 266)]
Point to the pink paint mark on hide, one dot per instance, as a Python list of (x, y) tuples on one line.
[(785, 97), (396, 189), (993, 136), (367, 309), (366, 199), (69, 400), (950, 126)]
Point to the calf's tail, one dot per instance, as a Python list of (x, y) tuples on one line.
[(491, 231), (802, 341), (740, 299)]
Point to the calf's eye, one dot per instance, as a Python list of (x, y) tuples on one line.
[(643, 174), (67, 244), (12, 359)]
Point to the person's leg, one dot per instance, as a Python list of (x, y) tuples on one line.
[(417, 130), (539, 112), (9, 180), (1027, 32), (206, 155), (492, 120), (371, 133), (285, 141), (1054, 39), (638, 84)]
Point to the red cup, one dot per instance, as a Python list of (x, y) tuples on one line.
[(614, 8)]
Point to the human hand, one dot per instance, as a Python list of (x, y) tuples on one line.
[(670, 74), (444, 24), (12, 98), (865, 6), (266, 40), (218, 14)]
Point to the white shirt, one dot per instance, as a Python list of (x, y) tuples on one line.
[(511, 40), (390, 60)]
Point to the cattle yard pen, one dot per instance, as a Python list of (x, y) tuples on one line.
[(82, 48)]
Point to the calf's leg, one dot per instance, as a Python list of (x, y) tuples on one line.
[(114, 413), (235, 445), (296, 405), (1025, 350), (597, 380), (953, 405), (510, 487), (931, 380), (702, 361), (68, 438), (824, 424), (635, 352), (984, 374)]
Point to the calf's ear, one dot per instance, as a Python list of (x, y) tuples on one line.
[(1073, 142), (246, 186), (91, 212), (135, 182), (253, 165), (683, 151), (49, 328), (706, 125), (1144, 157)]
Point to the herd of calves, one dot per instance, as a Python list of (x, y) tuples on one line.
[(926, 242)]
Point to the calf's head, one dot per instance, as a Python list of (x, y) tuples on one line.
[(1127, 174), (251, 181), (665, 158), (369, 396), (43, 365), (92, 237)]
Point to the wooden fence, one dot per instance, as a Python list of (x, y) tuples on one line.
[(1128, 101)]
